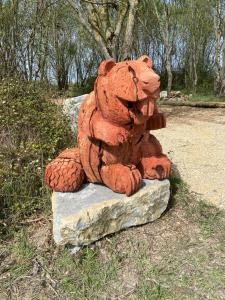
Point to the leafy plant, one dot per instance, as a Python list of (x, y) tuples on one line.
[(32, 131)]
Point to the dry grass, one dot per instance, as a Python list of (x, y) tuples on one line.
[(179, 256)]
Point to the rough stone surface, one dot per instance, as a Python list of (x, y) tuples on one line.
[(94, 211), (71, 108)]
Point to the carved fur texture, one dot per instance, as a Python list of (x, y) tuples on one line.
[(115, 144)]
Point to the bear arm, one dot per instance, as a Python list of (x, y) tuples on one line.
[(156, 121), (103, 130)]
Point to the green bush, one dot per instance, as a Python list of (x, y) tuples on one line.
[(77, 90), (32, 132)]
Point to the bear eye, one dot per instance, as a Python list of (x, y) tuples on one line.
[(130, 105), (131, 70)]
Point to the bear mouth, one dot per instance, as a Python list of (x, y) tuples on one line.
[(151, 96), (140, 111)]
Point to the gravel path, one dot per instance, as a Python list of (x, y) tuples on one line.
[(195, 142)]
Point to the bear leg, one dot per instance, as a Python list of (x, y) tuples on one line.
[(124, 179), (153, 164), (65, 173)]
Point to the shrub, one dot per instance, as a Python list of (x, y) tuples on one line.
[(32, 132), (77, 90)]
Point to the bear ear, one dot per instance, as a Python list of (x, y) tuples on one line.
[(106, 66), (147, 60)]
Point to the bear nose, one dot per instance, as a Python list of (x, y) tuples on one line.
[(150, 78), (151, 85)]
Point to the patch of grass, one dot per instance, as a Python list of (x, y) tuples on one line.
[(22, 249), (179, 256), (211, 219), (19, 271), (150, 285), (86, 277), (206, 98), (153, 291), (175, 181)]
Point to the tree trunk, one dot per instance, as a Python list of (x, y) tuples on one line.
[(169, 71), (128, 39), (88, 25), (195, 74), (163, 22), (62, 81), (217, 47), (105, 33), (222, 74)]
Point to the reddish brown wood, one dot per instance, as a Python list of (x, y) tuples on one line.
[(116, 148), (65, 173)]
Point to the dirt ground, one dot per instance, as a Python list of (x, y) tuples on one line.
[(179, 256), (195, 141)]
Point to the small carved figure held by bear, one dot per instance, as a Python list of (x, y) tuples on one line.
[(116, 147)]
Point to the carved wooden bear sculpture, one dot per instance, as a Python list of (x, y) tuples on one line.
[(115, 146)]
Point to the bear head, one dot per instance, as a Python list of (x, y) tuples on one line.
[(126, 91)]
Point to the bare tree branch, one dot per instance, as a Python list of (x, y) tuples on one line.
[(101, 3), (85, 22), (128, 39)]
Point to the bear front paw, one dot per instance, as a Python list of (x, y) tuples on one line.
[(124, 179), (155, 167)]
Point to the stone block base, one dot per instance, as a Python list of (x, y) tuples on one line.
[(85, 216)]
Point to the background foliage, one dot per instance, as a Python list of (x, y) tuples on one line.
[(32, 132), (62, 42)]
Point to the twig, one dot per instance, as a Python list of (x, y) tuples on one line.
[(183, 220), (56, 293), (99, 3), (32, 221), (193, 104), (125, 295)]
